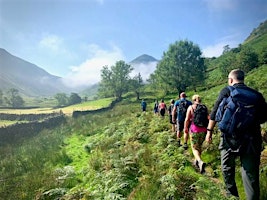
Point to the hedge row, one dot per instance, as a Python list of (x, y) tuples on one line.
[(20, 131)]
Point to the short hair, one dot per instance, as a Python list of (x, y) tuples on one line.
[(172, 101), (196, 97), (238, 74)]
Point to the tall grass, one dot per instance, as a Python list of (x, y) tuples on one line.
[(119, 154)]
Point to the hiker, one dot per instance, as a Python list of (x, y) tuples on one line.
[(162, 108), (247, 144), (196, 122), (170, 108), (143, 105), (156, 107), (180, 107)]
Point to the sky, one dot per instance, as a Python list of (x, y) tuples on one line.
[(74, 39)]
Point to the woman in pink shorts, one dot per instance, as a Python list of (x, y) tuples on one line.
[(197, 133)]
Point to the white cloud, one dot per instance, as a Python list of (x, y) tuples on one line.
[(88, 72), (51, 42), (144, 69), (213, 50), (216, 50)]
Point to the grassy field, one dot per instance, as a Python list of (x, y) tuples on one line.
[(89, 105)]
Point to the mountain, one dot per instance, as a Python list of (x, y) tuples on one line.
[(143, 59), (145, 65), (28, 78), (258, 32)]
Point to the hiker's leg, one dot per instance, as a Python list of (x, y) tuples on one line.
[(180, 128), (186, 135), (228, 171), (194, 146), (250, 175), (196, 143)]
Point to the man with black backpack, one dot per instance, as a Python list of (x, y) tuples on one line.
[(180, 107), (239, 110)]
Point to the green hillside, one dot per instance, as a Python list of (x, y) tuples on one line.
[(119, 154), (123, 153)]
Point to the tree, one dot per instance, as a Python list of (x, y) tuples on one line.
[(14, 99), (248, 59), (62, 99), (228, 63), (181, 66), (226, 49), (136, 84), (263, 56), (115, 81), (74, 99)]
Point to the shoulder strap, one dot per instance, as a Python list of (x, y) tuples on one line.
[(231, 88)]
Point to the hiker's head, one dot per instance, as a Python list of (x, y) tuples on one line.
[(172, 101), (196, 98), (183, 95), (236, 76)]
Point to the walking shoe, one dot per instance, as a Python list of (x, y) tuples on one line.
[(202, 166), (178, 143), (185, 146), (196, 163)]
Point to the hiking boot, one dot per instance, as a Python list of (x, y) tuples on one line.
[(202, 166), (196, 163), (178, 143), (185, 146)]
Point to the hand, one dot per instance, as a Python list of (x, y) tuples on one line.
[(209, 137)]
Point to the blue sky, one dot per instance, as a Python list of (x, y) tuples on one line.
[(74, 39)]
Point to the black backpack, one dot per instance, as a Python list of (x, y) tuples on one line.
[(181, 111), (201, 116)]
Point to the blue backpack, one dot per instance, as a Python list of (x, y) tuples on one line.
[(237, 112)]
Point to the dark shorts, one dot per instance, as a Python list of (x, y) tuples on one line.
[(162, 112), (180, 125)]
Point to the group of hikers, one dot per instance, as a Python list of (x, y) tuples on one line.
[(239, 110)]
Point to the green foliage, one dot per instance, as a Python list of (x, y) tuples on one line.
[(228, 63), (74, 99), (115, 81), (247, 59), (62, 99), (14, 99), (180, 67), (124, 153), (136, 84), (263, 56)]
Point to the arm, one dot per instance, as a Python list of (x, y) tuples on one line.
[(224, 93), (187, 119), (174, 110), (262, 110)]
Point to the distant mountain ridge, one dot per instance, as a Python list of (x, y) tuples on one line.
[(257, 32), (143, 59), (28, 78)]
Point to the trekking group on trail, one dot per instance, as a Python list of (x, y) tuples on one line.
[(239, 111)]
